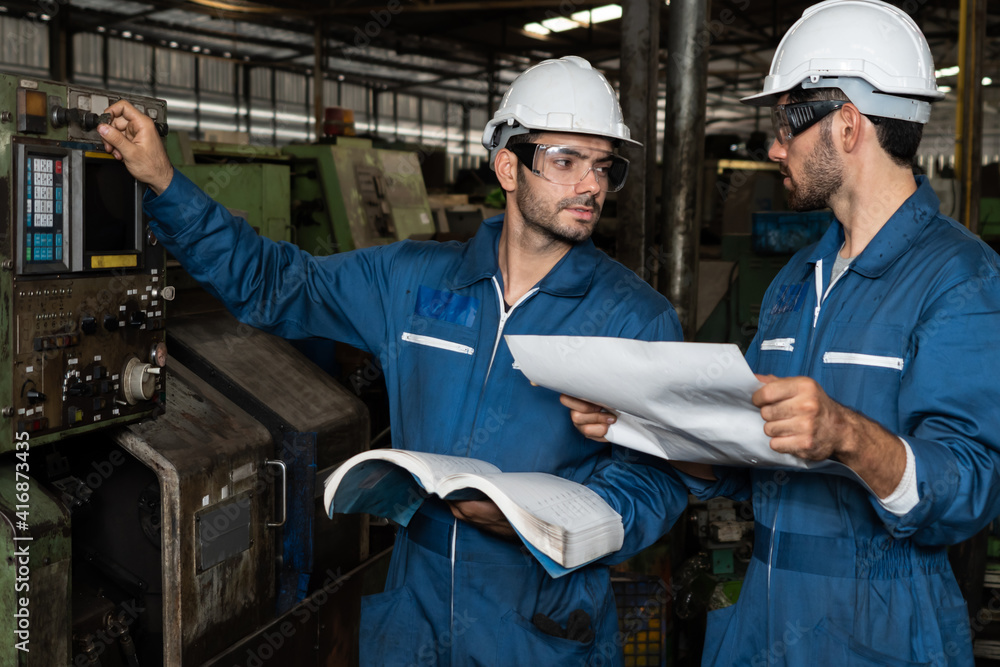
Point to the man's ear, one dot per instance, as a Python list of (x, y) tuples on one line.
[(506, 165), (853, 125)]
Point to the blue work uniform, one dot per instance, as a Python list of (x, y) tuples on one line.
[(434, 316), (907, 338)]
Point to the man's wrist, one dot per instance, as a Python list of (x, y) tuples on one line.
[(161, 185)]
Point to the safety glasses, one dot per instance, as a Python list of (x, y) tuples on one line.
[(790, 120), (568, 165)]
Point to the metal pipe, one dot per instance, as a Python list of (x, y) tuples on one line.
[(969, 111), (639, 38), (683, 152), (319, 76)]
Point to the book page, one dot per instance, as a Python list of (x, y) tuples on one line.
[(392, 482), (566, 521)]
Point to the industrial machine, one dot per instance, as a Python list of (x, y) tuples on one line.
[(81, 274), (154, 509), (358, 195), (344, 192)]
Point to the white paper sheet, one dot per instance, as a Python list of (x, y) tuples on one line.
[(679, 401)]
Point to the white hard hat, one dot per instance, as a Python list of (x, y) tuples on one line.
[(871, 50), (564, 95)]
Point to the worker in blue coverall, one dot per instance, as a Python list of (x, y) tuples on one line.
[(877, 348), (462, 590)]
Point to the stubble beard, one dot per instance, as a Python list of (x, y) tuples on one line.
[(823, 175), (544, 221)]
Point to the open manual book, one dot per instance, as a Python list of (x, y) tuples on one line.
[(563, 524)]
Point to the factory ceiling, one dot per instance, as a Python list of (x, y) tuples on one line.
[(465, 50)]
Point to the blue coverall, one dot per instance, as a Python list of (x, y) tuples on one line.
[(433, 315), (906, 337)]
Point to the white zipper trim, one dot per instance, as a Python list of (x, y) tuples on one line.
[(453, 547), (439, 343), (895, 363), (504, 314), (778, 344), (819, 291)]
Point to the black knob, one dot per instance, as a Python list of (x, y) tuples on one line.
[(35, 397), (137, 318), (90, 121), (162, 129), (79, 389), (111, 323), (88, 325), (59, 118)]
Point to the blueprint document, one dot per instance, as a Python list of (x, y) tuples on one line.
[(677, 401)]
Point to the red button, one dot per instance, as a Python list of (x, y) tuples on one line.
[(58, 166)]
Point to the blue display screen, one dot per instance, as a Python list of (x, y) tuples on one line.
[(43, 208)]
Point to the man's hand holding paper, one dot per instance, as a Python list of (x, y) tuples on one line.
[(684, 402)]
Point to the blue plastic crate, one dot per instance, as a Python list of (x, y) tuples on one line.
[(787, 232)]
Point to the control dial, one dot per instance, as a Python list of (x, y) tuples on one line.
[(139, 381)]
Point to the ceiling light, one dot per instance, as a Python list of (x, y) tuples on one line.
[(174, 45), (126, 34), (560, 24), (987, 81), (101, 28), (598, 15), (45, 17), (944, 89), (536, 29), (947, 71), (196, 49)]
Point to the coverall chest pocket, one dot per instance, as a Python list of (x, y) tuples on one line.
[(776, 350), (861, 365), (434, 353)]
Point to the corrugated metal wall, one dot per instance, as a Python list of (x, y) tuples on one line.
[(206, 95), (24, 46)]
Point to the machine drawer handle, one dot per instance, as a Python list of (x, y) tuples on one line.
[(284, 492)]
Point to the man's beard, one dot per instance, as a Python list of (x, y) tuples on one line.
[(822, 175), (546, 221)]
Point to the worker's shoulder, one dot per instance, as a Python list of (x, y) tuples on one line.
[(410, 250), (613, 279), (956, 251)]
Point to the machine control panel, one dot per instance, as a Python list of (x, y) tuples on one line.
[(83, 340)]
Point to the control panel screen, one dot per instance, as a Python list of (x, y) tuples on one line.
[(44, 208), (109, 216)]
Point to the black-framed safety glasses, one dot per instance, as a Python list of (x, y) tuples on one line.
[(790, 120), (569, 165)]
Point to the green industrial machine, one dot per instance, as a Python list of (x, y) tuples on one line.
[(155, 510), (326, 197), (81, 273), (350, 195), (82, 330), (251, 181)]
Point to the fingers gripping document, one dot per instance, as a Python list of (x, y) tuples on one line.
[(678, 401)]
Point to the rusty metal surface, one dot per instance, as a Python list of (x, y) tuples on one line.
[(47, 587), (288, 385), (683, 150), (638, 92), (205, 450)]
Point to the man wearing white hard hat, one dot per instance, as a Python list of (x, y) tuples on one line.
[(876, 346), (877, 349), (462, 590)]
